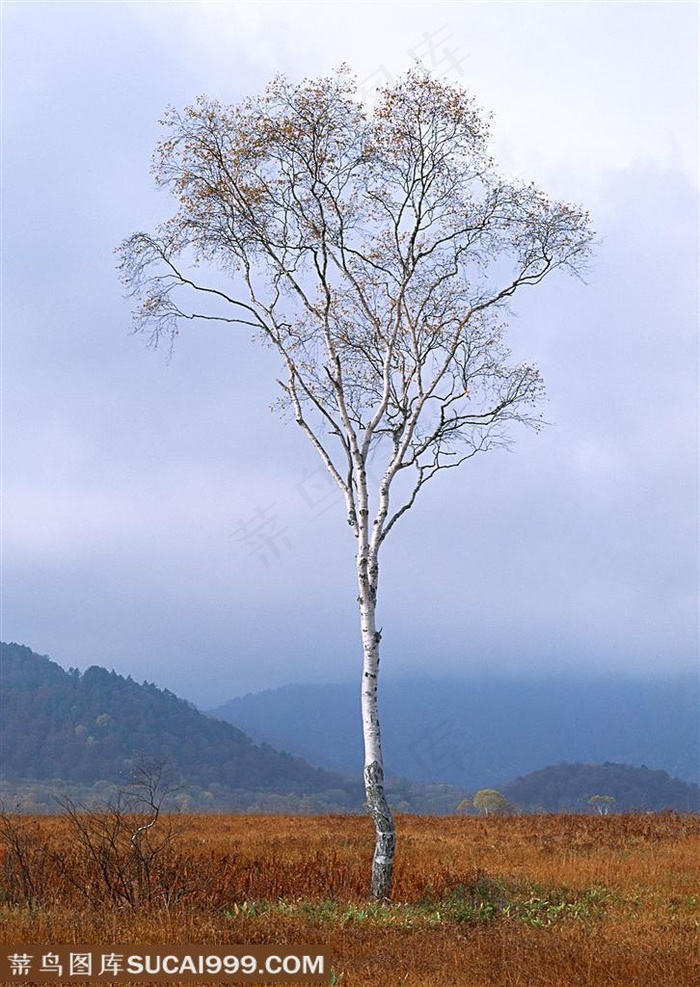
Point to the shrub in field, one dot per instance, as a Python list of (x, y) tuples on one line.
[(122, 853), (559, 901), (28, 864)]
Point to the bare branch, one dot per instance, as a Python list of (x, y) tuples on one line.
[(377, 255)]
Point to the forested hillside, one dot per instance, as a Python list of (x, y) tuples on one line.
[(95, 726), (600, 788), (478, 732), (62, 732)]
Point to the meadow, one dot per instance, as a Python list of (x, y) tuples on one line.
[(533, 901)]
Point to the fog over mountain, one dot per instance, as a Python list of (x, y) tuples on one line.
[(63, 732), (483, 732)]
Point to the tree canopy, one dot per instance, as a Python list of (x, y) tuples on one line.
[(376, 253)]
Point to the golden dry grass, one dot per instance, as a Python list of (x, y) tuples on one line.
[(539, 901)]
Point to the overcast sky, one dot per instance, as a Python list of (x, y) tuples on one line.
[(133, 484)]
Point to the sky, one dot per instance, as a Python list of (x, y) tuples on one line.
[(134, 483)]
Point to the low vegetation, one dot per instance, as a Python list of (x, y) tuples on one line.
[(542, 901)]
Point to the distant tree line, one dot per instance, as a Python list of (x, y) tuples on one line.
[(601, 788), (67, 734)]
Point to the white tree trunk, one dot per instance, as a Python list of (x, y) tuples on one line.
[(382, 864)]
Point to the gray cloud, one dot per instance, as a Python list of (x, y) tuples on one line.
[(134, 484)]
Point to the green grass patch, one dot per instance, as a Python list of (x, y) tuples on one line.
[(483, 900)]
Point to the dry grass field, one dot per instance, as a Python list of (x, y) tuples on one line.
[(539, 901)]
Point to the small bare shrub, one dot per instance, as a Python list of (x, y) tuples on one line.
[(122, 852)]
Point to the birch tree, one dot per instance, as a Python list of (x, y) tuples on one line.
[(376, 253)]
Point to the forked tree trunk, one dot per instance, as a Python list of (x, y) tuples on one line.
[(385, 843)]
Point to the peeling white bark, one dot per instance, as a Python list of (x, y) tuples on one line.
[(385, 843), (368, 574)]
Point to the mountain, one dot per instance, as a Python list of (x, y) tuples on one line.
[(94, 727), (482, 733), (618, 787), (89, 731)]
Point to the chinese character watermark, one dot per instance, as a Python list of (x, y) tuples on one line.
[(261, 533), (262, 536), (112, 963), (80, 964), (20, 964), (51, 963), (433, 51), (318, 490), (441, 748), (367, 88)]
